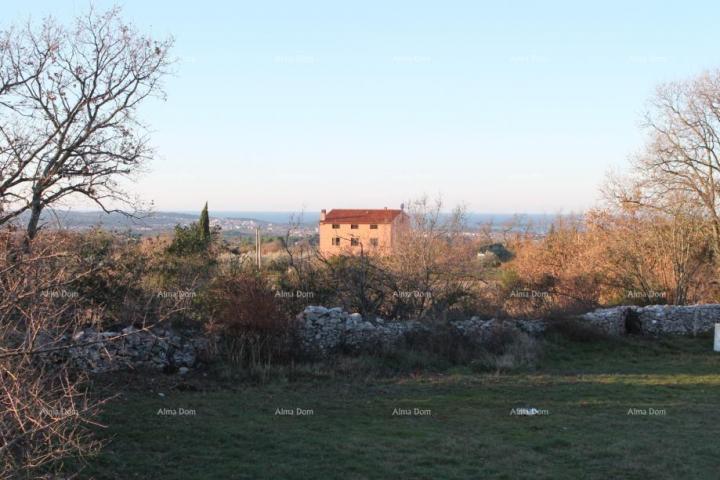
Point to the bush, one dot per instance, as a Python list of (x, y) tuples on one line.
[(504, 348), (443, 341), (249, 323), (110, 270), (45, 411), (575, 330), (519, 351), (189, 240)]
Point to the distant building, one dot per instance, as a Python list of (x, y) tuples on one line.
[(348, 232)]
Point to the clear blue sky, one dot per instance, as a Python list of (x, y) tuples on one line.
[(502, 106)]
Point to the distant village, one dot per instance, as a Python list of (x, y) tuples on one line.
[(233, 227)]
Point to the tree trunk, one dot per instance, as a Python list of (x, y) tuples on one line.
[(32, 227), (716, 238)]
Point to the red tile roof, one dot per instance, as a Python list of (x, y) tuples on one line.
[(361, 216)]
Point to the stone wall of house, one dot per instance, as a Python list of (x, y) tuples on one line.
[(655, 319)]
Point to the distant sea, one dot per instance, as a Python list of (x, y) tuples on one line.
[(270, 217)]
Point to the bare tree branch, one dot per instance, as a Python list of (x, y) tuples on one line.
[(69, 123)]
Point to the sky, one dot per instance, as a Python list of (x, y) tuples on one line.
[(501, 107)]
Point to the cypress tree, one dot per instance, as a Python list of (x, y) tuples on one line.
[(205, 224)]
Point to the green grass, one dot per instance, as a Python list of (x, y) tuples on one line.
[(586, 387)]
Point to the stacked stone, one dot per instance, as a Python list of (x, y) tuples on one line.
[(324, 331), (476, 328), (132, 348), (609, 320), (678, 320), (655, 319)]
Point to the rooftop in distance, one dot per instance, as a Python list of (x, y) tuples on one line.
[(339, 216)]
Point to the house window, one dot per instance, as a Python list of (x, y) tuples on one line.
[(335, 225), (373, 226), (374, 242), (354, 242), (354, 227), (336, 241)]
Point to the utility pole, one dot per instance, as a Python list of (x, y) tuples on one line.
[(258, 256)]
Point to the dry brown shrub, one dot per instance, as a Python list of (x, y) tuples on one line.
[(612, 256), (433, 267), (561, 272), (45, 409), (652, 257), (251, 326)]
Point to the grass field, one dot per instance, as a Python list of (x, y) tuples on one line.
[(586, 390)]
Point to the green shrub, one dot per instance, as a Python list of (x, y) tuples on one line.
[(188, 240)]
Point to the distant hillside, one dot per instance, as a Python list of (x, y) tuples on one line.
[(241, 223), (154, 223)]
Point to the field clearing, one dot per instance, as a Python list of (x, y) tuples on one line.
[(460, 423)]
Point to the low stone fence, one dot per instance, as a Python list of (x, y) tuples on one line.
[(655, 319), (323, 331), (130, 348)]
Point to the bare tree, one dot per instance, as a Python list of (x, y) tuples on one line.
[(360, 278), (681, 157), (69, 123), (654, 252), (299, 254), (433, 260)]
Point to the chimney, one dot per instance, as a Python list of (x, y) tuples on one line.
[(385, 208), (402, 207), (322, 215)]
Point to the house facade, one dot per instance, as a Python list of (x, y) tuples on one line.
[(352, 231)]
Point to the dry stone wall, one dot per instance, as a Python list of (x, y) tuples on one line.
[(323, 331), (326, 330), (130, 348), (655, 319)]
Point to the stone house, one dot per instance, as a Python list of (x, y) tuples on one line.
[(351, 231)]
